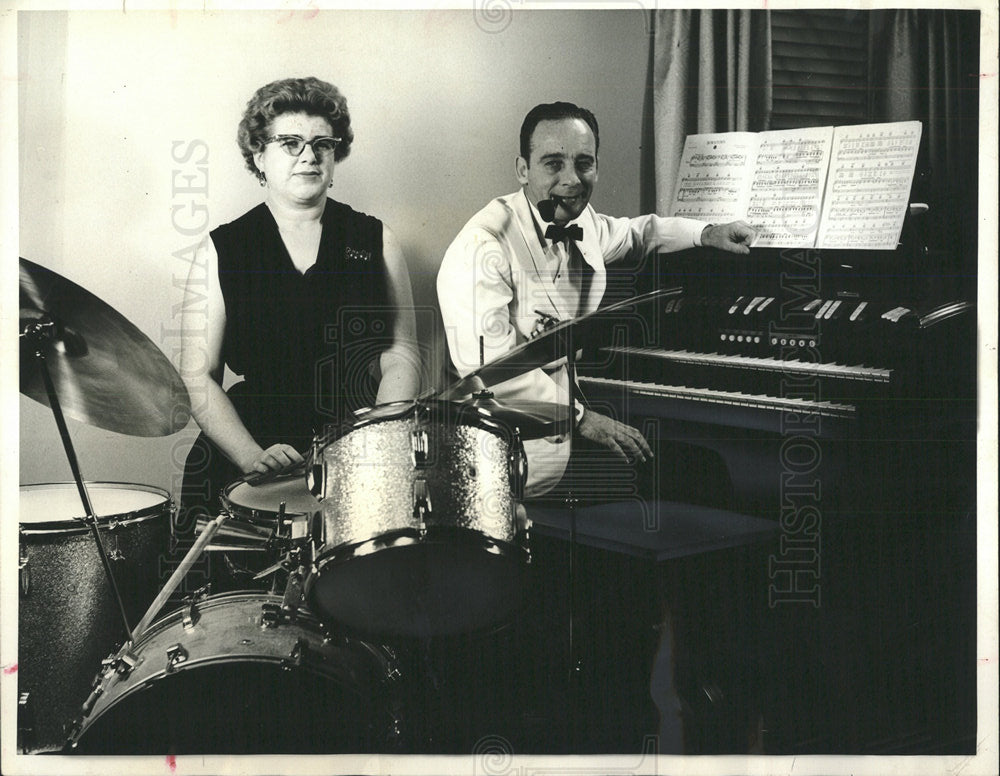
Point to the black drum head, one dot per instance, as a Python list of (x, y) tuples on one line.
[(421, 589)]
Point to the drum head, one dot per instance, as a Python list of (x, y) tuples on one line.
[(54, 505), (243, 686), (445, 584), (268, 497), (238, 708), (434, 410)]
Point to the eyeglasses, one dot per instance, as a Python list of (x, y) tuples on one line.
[(294, 145)]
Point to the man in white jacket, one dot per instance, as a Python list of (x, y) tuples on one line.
[(509, 271)]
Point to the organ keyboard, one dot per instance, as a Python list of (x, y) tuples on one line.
[(735, 371)]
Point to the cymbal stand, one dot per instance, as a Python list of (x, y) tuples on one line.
[(574, 664), (37, 333)]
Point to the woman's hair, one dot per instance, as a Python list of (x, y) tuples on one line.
[(293, 95)]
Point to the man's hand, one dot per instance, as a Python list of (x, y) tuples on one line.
[(735, 237), (623, 440)]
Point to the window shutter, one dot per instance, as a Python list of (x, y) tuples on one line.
[(819, 62)]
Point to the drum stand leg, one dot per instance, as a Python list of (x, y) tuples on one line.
[(38, 333)]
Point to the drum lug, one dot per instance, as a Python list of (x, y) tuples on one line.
[(24, 571), (316, 471), (300, 652), (421, 503), (176, 655), (270, 615), (292, 599), (25, 722), (191, 615), (518, 469), (125, 662), (418, 441), (121, 663), (115, 553), (174, 511)]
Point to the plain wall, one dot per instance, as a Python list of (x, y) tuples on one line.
[(119, 113)]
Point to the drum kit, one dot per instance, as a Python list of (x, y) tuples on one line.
[(404, 523)]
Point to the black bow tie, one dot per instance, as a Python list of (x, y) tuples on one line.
[(558, 233)]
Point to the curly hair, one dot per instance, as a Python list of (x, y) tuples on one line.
[(554, 111), (293, 95)]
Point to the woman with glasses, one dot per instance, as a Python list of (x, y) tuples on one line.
[(306, 298)]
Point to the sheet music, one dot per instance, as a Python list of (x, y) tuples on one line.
[(868, 186), (829, 187), (714, 177), (787, 189)]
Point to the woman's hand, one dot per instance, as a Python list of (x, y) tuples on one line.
[(276, 458)]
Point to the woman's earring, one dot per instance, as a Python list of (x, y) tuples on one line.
[(330, 185), (261, 177)]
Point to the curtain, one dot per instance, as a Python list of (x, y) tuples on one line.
[(925, 66), (710, 71)]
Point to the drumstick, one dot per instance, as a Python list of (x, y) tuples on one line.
[(196, 549)]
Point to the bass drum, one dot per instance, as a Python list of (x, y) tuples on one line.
[(234, 674), (68, 618)]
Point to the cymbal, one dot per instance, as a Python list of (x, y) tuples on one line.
[(105, 371), (533, 419), (587, 331)]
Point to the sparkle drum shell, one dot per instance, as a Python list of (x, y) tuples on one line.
[(234, 674), (419, 518), (67, 616)]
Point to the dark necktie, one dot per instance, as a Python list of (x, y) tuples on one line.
[(560, 233)]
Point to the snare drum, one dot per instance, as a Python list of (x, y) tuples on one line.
[(420, 523), (261, 504), (256, 533), (68, 618), (234, 674)]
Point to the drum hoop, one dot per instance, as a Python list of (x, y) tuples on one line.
[(75, 525), (411, 536), (387, 662), (303, 617), (460, 414), (219, 600)]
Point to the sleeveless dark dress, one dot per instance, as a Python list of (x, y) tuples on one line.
[(305, 343)]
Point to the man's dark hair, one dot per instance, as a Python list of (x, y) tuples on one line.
[(554, 111)]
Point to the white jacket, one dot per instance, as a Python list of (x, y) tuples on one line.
[(492, 283)]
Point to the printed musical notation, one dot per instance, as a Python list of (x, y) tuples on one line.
[(713, 184), (833, 187), (868, 185)]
